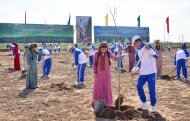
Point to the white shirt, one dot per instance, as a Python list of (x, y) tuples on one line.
[(148, 61), (55, 46), (59, 46), (180, 55), (46, 53), (91, 51)]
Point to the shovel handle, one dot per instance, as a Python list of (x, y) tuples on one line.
[(135, 67), (69, 75), (171, 71), (140, 58)]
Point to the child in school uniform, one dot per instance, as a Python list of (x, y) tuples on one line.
[(91, 54), (59, 47), (148, 71), (180, 59), (47, 62), (50, 48), (79, 63), (55, 48)]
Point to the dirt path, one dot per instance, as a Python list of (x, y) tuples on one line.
[(48, 103)]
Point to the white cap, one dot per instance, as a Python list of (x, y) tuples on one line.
[(69, 47), (45, 51), (134, 39)]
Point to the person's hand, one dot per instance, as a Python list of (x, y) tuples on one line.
[(95, 76), (133, 73), (118, 57), (75, 67), (147, 47), (29, 67)]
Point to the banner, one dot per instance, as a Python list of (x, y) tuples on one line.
[(83, 29), (108, 33), (20, 33)]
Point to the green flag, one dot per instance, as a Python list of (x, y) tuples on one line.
[(139, 21)]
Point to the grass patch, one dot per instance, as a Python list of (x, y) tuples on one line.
[(64, 45)]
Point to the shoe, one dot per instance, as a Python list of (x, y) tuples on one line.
[(186, 79), (80, 85), (153, 109), (42, 77), (177, 78), (91, 66), (143, 106), (46, 77), (76, 82)]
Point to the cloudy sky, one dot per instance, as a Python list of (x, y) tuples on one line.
[(153, 13)]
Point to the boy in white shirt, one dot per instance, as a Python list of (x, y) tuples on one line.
[(148, 71)]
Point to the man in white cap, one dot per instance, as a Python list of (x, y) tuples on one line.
[(147, 56), (79, 63)]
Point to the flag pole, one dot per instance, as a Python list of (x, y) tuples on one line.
[(164, 36), (24, 37)]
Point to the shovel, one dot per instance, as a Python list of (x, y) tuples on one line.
[(119, 100), (167, 76)]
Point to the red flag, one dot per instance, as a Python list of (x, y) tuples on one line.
[(25, 17), (167, 22)]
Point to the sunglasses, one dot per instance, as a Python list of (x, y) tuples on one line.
[(104, 46)]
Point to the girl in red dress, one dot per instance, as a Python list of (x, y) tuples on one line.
[(16, 57)]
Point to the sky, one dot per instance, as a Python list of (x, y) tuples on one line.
[(153, 14)]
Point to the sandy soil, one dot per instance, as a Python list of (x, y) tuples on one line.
[(53, 101)]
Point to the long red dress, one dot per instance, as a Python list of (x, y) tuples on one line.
[(16, 58)]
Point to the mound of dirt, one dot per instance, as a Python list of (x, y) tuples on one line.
[(61, 62), (23, 76), (128, 113), (58, 87), (10, 70), (23, 71), (167, 77)]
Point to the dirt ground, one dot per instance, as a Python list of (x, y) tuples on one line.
[(56, 100)]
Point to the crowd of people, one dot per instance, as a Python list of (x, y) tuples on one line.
[(141, 56)]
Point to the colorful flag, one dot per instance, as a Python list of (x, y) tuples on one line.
[(25, 17), (167, 22), (69, 21), (139, 21), (106, 20)]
